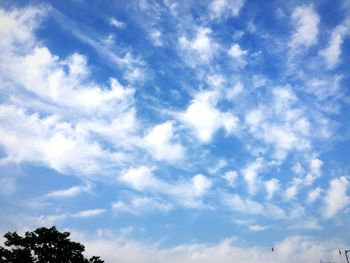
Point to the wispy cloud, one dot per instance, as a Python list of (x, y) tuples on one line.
[(225, 8), (117, 23), (332, 52), (89, 213), (70, 192)]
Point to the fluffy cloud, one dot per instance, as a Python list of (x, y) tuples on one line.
[(205, 119), (30, 138), (306, 22), (201, 48), (238, 54), (158, 141), (18, 26), (336, 197), (282, 124), (187, 193), (141, 178), (44, 74), (58, 115)]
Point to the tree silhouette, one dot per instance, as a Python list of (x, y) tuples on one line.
[(44, 245)]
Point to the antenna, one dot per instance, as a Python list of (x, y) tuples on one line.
[(346, 255)]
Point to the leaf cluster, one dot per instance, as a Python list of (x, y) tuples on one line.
[(44, 245)]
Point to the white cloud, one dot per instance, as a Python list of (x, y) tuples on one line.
[(190, 193), (58, 116), (141, 178), (232, 93), (70, 192), (272, 186), (325, 87), (238, 54), (231, 177), (43, 73), (17, 26), (314, 171), (122, 207), (158, 141), (250, 174), (156, 37), (296, 212), (30, 138), (200, 184), (133, 67), (89, 213), (336, 198), (307, 224), (221, 164), (201, 48), (50, 220), (313, 195), (289, 250), (306, 22), (141, 205), (205, 119), (225, 8), (117, 23), (274, 212), (258, 228), (332, 52), (243, 205), (282, 124), (251, 225), (187, 193), (293, 190)]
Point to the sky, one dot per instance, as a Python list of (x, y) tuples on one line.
[(178, 131)]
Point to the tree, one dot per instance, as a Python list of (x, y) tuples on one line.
[(44, 245)]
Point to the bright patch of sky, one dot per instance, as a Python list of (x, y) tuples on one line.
[(178, 131)]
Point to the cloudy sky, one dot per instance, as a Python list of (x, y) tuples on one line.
[(178, 131)]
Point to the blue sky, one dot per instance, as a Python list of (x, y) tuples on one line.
[(186, 131)]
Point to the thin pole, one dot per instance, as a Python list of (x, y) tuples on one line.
[(346, 255), (273, 254)]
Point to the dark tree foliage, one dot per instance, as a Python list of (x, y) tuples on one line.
[(44, 245)]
